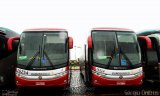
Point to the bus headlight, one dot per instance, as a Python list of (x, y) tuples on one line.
[(21, 72), (19, 75), (99, 73), (63, 73), (138, 73)]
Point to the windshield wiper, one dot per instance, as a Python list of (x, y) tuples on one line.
[(44, 53), (33, 58), (111, 57), (125, 56), (20, 48)]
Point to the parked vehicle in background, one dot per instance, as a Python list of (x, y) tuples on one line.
[(148, 32), (151, 57), (8, 48)]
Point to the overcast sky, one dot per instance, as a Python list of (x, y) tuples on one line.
[(79, 16)]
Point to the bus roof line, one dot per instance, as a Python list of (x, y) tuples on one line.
[(112, 28), (156, 36), (46, 29)]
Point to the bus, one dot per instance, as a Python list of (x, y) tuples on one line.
[(151, 57), (8, 40), (148, 32), (43, 58), (113, 58)]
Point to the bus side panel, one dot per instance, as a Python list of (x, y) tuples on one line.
[(152, 65), (7, 62), (83, 63), (85, 66), (88, 69), (7, 70)]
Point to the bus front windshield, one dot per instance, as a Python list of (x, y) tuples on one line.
[(115, 49), (42, 50)]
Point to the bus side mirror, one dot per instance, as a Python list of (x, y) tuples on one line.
[(90, 42), (10, 43), (147, 40), (70, 43)]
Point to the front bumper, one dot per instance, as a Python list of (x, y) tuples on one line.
[(101, 81), (56, 82)]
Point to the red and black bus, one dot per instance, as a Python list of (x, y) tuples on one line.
[(8, 48), (150, 49), (43, 58), (113, 58)]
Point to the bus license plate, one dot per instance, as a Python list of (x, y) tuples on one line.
[(40, 83), (121, 83)]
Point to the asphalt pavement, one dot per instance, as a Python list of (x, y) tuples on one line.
[(78, 88)]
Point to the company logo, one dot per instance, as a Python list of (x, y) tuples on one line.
[(120, 77), (40, 77)]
